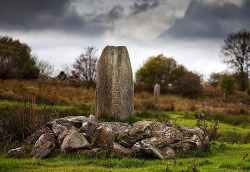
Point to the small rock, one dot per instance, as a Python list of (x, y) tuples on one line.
[(169, 123), (74, 140), (43, 146), (194, 139), (145, 149), (58, 128), (120, 150), (18, 152), (167, 152), (157, 142), (127, 141), (76, 121)]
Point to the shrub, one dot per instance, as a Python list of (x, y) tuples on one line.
[(227, 83)]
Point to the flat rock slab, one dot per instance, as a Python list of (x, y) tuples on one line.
[(18, 152), (115, 86)]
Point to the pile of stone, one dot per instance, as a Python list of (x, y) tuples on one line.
[(147, 139)]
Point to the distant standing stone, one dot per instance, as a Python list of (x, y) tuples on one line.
[(157, 92), (115, 86)]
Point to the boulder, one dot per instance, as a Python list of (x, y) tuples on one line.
[(182, 148), (145, 149), (74, 140), (76, 121), (157, 141), (18, 152), (141, 130), (189, 132), (118, 128), (167, 152), (169, 134), (104, 137), (89, 127), (58, 128), (120, 150), (127, 141), (115, 85), (44, 145), (35, 136)]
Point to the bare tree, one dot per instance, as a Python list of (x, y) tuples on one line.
[(46, 69), (236, 50), (85, 65)]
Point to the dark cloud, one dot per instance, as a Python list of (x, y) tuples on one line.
[(210, 20), (144, 5), (38, 14), (115, 12)]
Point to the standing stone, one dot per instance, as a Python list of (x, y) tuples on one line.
[(115, 86), (157, 92)]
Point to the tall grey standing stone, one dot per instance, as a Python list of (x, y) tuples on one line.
[(157, 92), (115, 86)]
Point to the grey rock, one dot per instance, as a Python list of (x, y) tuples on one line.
[(141, 130), (120, 150), (89, 127), (118, 128), (43, 146), (189, 132), (18, 152), (157, 92), (127, 141), (74, 140), (169, 123), (104, 137), (76, 120), (193, 140), (169, 134), (158, 141), (58, 128), (145, 149), (115, 86)]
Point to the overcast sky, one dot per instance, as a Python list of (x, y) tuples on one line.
[(190, 31)]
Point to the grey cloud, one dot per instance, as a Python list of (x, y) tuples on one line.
[(210, 20), (144, 5), (38, 14)]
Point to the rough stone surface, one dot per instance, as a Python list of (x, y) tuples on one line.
[(58, 128), (189, 132), (194, 140), (167, 152), (145, 149), (18, 152), (74, 140), (120, 150), (169, 123), (170, 134), (89, 127), (141, 129), (157, 92), (104, 137), (127, 141), (157, 142), (115, 86), (76, 120), (44, 145), (182, 148), (118, 128)]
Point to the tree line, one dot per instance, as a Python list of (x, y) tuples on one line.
[(17, 62)]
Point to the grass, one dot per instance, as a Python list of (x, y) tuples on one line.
[(227, 160)]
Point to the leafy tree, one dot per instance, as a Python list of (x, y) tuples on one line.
[(62, 76), (85, 66), (213, 80), (236, 50), (16, 61), (187, 83), (227, 83), (157, 69), (46, 70)]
